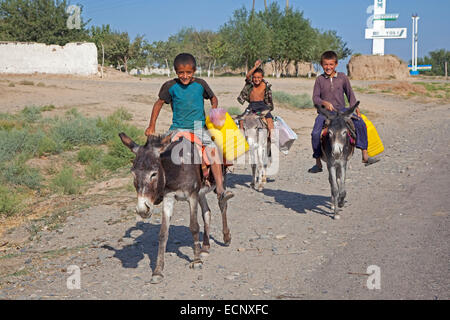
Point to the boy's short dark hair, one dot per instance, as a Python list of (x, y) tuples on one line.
[(329, 55), (184, 58), (259, 70)]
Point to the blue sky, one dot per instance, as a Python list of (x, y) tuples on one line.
[(158, 19)]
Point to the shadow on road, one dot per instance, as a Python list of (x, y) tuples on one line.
[(300, 202), (292, 200), (147, 244)]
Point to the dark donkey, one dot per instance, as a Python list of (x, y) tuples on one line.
[(157, 178), (337, 148)]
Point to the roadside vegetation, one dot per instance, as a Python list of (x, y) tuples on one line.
[(76, 150), (434, 90), (298, 101)]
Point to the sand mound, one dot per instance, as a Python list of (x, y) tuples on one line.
[(363, 67)]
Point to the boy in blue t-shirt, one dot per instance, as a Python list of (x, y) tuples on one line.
[(186, 96)]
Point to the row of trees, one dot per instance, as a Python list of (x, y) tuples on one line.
[(277, 35), (437, 59)]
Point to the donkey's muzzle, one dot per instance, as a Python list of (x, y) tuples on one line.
[(144, 208)]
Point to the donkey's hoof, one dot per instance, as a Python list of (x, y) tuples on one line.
[(260, 188), (341, 203), (157, 278), (196, 264), (336, 216), (204, 254)]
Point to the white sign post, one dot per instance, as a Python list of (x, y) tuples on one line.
[(414, 37), (378, 33)]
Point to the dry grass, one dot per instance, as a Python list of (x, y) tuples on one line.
[(424, 90)]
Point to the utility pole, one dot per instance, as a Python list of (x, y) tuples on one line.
[(415, 19), (287, 4), (265, 4)]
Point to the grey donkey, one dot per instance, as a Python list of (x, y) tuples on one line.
[(337, 149), (256, 134), (157, 178)]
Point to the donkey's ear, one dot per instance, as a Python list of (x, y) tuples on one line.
[(133, 146), (323, 111), (165, 142), (348, 113)]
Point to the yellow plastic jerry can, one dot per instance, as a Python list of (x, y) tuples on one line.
[(228, 138), (375, 146)]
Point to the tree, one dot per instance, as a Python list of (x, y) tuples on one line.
[(292, 37), (329, 40), (248, 38), (437, 59), (43, 21)]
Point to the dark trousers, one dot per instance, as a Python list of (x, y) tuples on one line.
[(259, 106), (360, 128)]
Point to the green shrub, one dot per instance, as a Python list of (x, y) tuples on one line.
[(48, 145), (87, 154), (94, 170), (76, 131), (31, 114), (11, 143), (66, 182), (301, 101), (47, 108), (18, 173), (122, 114), (26, 83), (9, 202)]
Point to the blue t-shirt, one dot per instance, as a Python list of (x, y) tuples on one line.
[(187, 102)]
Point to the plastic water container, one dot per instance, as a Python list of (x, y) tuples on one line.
[(375, 146), (286, 136), (228, 138)]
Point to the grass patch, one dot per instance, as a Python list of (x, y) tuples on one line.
[(11, 85), (27, 134), (26, 83), (66, 182), (18, 173), (9, 202), (300, 101), (87, 154)]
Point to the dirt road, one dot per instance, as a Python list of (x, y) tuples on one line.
[(284, 243)]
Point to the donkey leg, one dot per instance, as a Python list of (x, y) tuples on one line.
[(225, 229), (206, 214), (334, 190), (168, 203), (195, 230), (342, 192), (253, 184)]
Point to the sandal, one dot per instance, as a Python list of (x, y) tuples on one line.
[(315, 169), (371, 161)]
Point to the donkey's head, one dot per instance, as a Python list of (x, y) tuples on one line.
[(148, 172), (338, 135)]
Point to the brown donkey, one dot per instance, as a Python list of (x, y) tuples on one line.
[(158, 178)]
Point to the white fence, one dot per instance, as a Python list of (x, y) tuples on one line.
[(27, 58)]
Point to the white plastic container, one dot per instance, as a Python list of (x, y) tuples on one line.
[(286, 136)]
